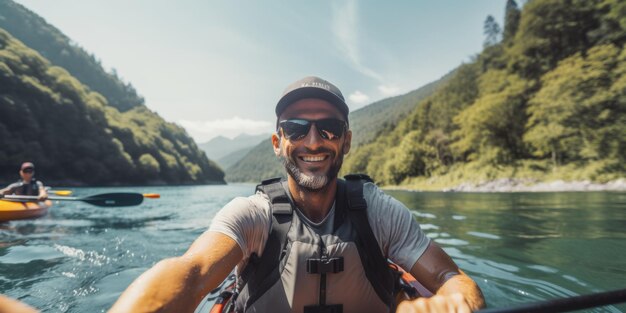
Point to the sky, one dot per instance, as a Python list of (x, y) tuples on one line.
[(219, 67)]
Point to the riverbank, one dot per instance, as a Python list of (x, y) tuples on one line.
[(517, 185)]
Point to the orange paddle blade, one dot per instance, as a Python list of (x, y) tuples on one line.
[(152, 195)]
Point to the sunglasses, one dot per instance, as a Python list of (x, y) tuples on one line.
[(28, 170), (328, 128)]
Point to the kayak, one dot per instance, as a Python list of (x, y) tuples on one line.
[(13, 210), (221, 299)]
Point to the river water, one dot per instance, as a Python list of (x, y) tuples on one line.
[(519, 247)]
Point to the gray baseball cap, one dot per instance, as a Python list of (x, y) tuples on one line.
[(312, 87)]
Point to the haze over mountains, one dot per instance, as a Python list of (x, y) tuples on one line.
[(228, 151)]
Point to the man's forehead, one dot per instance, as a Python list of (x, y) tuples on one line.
[(311, 106)]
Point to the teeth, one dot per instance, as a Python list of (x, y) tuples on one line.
[(313, 159)]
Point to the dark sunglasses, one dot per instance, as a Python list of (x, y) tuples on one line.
[(328, 128), (28, 170)]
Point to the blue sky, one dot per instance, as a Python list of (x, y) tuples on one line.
[(218, 67)]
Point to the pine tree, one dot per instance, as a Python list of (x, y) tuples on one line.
[(511, 20), (491, 31)]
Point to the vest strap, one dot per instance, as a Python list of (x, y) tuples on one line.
[(381, 277), (333, 308), (323, 266), (262, 272)]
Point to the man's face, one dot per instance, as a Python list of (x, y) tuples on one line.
[(27, 173), (312, 161)]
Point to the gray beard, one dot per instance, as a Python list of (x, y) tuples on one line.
[(310, 182)]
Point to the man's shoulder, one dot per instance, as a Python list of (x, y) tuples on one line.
[(15, 184), (255, 202)]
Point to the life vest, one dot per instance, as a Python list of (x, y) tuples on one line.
[(303, 271), (26, 189)]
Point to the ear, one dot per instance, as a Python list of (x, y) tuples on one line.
[(348, 142), (276, 143)]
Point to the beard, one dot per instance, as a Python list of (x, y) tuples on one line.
[(312, 182)]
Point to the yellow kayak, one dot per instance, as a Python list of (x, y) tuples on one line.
[(11, 210)]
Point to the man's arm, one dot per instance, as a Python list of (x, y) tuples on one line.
[(43, 193), (7, 190), (13, 306), (454, 291), (179, 284)]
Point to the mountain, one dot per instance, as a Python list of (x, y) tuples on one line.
[(220, 147), (366, 123), (548, 101), (233, 157), (72, 133), (53, 45), (260, 163)]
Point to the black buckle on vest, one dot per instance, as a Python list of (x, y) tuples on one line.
[(333, 308), (323, 266)]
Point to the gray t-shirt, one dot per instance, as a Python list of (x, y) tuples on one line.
[(399, 236)]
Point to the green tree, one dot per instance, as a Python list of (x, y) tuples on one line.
[(491, 29), (511, 20), (549, 31), (579, 113), (492, 127)]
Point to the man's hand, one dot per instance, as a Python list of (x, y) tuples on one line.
[(454, 303)]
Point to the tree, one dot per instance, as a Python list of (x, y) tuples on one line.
[(580, 112), (511, 20), (491, 31), (491, 128)]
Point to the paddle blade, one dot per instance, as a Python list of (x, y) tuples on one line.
[(152, 195), (115, 199), (63, 193)]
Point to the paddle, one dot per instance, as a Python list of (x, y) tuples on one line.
[(64, 193), (105, 199), (566, 304), (69, 193)]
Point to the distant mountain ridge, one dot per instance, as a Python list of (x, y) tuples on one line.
[(367, 122), (220, 146), (260, 163)]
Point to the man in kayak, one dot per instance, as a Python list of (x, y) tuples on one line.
[(27, 185), (311, 244)]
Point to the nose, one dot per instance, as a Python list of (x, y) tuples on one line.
[(313, 140)]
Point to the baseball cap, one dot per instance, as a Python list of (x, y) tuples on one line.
[(312, 87), (26, 165)]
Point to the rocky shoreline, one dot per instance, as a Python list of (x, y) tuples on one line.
[(528, 185)]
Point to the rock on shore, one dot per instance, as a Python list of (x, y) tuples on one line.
[(527, 185)]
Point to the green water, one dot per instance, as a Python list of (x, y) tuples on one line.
[(523, 247), (518, 247)]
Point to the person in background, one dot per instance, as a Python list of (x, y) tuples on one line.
[(27, 185)]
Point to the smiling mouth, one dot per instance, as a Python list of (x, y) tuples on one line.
[(313, 158)]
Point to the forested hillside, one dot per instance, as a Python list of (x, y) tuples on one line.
[(260, 163), (53, 45), (368, 122), (546, 98), (74, 137)]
